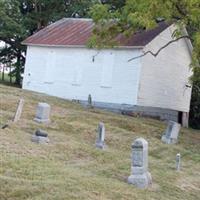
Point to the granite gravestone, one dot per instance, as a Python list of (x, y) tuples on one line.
[(43, 113), (171, 134), (90, 101), (40, 137), (140, 177), (100, 136)]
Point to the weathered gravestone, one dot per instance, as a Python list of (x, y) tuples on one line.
[(43, 113), (178, 161), (100, 136), (40, 137), (90, 101), (171, 134), (17, 115), (140, 177), (19, 110)]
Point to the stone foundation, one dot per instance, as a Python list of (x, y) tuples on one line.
[(157, 113)]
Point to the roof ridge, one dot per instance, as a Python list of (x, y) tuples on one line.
[(78, 19)]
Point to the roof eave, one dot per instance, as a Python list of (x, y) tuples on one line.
[(188, 41), (80, 46)]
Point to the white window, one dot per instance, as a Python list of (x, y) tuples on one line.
[(77, 76), (107, 69), (50, 75), (35, 68)]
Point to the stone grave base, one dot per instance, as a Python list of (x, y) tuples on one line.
[(168, 140), (44, 121), (100, 145), (140, 180), (39, 139)]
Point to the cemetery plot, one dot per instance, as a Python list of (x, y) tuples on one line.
[(71, 167)]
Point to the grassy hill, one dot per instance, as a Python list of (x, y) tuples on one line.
[(70, 167)]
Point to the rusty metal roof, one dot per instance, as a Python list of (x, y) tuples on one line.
[(76, 32)]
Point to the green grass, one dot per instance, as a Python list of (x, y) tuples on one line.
[(70, 167), (6, 77)]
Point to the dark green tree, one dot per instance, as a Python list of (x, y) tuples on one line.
[(12, 33), (143, 14), (21, 18), (195, 101)]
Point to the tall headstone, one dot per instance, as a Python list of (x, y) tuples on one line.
[(140, 177), (19, 110), (171, 134), (17, 115), (43, 113), (178, 161), (100, 143), (90, 101)]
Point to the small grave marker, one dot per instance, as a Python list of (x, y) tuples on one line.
[(100, 136), (43, 113), (40, 137), (171, 134), (140, 176), (178, 161)]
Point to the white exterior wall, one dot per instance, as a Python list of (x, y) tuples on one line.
[(163, 78), (71, 73)]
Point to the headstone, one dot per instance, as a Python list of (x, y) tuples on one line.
[(140, 177), (100, 136), (5, 126), (19, 110), (43, 113), (178, 161), (40, 137), (171, 134), (17, 115), (90, 100), (41, 133)]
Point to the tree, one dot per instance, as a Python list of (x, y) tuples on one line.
[(138, 15), (195, 101), (11, 33), (21, 18)]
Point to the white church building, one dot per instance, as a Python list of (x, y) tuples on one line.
[(59, 63)]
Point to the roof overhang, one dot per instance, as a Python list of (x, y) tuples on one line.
[(69, 32), (82, 46), (188, 42)]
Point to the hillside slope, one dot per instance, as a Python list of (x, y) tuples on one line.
[(70, 167)]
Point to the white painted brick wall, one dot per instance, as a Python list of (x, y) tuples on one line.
[(41, 76), (163, 79), (71, 73)]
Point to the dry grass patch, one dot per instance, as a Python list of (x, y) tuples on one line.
[(70, 167)]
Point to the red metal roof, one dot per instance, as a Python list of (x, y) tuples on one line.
[(76, 32)]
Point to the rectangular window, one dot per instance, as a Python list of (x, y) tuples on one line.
[(107, 69), (50, 75), (77, 76)]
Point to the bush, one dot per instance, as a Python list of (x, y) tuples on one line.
[(195, 101)]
